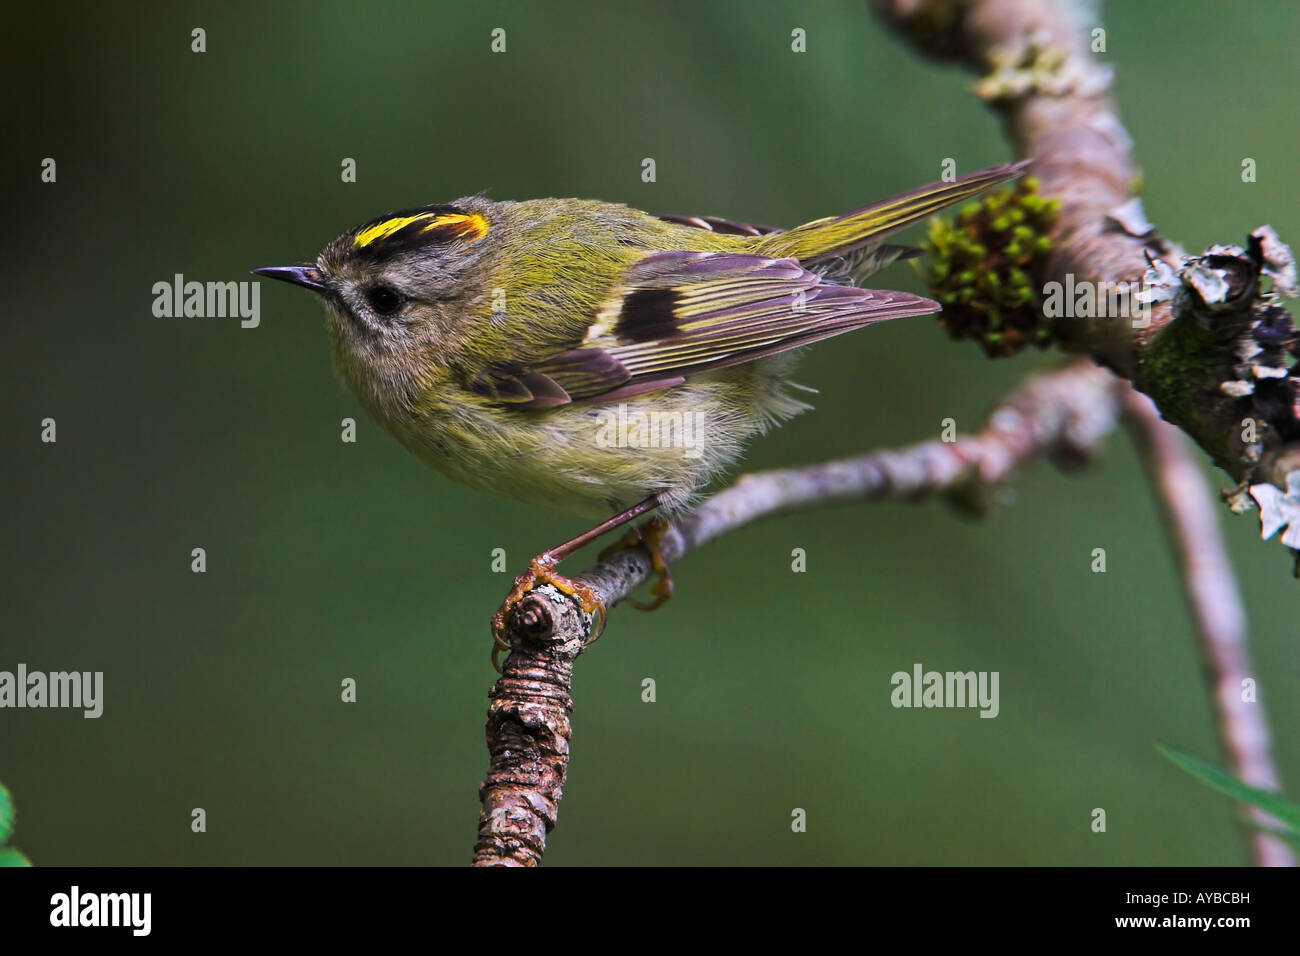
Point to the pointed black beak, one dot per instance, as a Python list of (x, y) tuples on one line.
[(308, 277)]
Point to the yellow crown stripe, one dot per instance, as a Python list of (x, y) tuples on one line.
[(381, 230), (472, 226)]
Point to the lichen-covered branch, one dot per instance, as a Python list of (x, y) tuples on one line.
[(1204, 335), (1062, 415), (1185, 501)]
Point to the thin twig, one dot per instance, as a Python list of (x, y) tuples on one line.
[(1185, 500), (1064, 414)]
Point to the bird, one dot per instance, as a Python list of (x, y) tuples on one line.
[(594, 358)]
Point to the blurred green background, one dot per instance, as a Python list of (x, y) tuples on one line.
[(328, 560)]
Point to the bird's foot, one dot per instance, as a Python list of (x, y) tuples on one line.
[(541, 570), (650, 535)]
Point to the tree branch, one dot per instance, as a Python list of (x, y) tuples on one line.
[(1184, 498), (1063, 415), (1211, 350)]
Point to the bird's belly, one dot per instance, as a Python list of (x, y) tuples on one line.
[(590, 458)]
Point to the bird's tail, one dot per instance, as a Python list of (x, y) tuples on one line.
[(836, 236)]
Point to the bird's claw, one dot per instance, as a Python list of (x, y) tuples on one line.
[(541, 570), (650, 535)]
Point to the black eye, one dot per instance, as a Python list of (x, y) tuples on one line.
[(384, 299)]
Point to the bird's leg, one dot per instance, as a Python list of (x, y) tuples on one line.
[(650, 535), (541, 571)]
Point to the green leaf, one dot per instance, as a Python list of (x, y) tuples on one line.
[(11, 857), (6, 815), (1288, 811)]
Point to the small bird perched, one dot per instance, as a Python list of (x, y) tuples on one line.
[(589, 356)]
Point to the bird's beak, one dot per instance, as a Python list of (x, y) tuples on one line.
[(307, 276)]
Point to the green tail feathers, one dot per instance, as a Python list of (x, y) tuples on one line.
[(838, 235)]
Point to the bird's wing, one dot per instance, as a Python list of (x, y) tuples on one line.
[(855, 266), (675, 314), (727, 227)]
